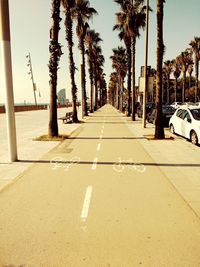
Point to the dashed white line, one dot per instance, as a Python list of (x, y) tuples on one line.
[(101, 131), (86, 203), (101, 136), (94, 165), (98, 147)]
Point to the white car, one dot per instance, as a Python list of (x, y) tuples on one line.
[(176, 105), (186, 122)]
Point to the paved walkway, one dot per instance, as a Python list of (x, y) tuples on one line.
[(97, 199), (29, 125)]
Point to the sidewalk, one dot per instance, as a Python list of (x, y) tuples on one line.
[(178, 159), (29, 125)]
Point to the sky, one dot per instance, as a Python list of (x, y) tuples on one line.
[(30, 25)]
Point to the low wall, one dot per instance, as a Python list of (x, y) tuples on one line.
[(21, 108)]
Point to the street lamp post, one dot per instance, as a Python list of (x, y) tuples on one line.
[(145, 66), (7, 78), (32, 79)]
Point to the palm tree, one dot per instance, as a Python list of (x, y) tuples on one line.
[(195, 45), (183, 60), (135, 20), (177, 72), (123, 35), (119, 63), (159, 129), (68, 6), (113, 87), (55, 54), (190, 70), (99, 77), (98, 63), (92, 39), (82, 12), (167, 70)]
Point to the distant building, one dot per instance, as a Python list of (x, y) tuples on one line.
[(61, 97), (150, 84)]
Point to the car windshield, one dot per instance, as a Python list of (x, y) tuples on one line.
[(168, 109), (196, 114)]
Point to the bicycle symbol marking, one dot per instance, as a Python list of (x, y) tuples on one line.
[(130, 164), (58, 162)]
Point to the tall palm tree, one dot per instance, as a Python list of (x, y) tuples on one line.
[(123, 35), (68, 6), (119, 63), (135, 20), (55, 54), (190, 70), (195, 45), (98, 63), (99, 77), (159, 129), (177, 73), (82, 12), (92, 39), (113, 87), (168, 70), (183, 60)]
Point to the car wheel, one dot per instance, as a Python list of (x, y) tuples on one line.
[(193, 138), (172, 129)]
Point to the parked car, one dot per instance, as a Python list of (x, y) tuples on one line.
[(186, 122), (176, 105), (149, 107), (188, 104), (167, 111)]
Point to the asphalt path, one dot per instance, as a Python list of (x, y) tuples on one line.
[(97, 200)]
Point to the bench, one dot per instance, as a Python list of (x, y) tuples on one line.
[(67, 117)]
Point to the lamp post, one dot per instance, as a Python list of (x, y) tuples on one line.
[(7, 78), (31, 73), (145, 66)]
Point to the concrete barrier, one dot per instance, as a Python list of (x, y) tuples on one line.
[(20, 108)]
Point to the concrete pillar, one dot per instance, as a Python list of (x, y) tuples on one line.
[(7, 78)]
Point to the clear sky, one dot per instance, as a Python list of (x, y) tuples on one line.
[(31, 22)]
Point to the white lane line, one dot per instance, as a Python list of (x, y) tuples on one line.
[(98, 147), (101, 136), (86, 203), (101, 131), (103, 126), (94, 166)]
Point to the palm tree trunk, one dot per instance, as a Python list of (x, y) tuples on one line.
[(183, 88), (168, 90), (175, 90), (196, 78), (83, 80), (55, 53), (159, 130), (91, 86), (68, 24), (129, 81), (133, 47), (95, 89)]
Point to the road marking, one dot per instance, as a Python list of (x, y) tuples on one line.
[(103, 126), (86, 203), (101, 131), (101, 136), (98, 147), (94, 166)]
